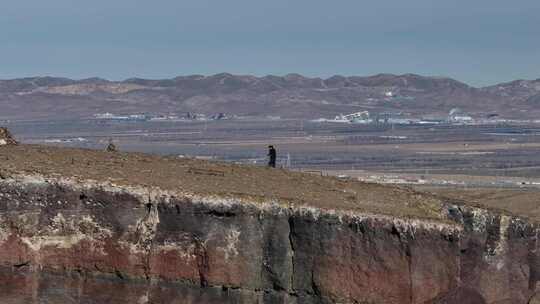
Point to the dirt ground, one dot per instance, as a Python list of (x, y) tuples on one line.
[(524, 202), (219, 178)]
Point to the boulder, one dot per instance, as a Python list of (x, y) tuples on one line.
[(6, 138)]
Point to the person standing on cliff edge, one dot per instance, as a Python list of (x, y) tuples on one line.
[(271, 156)]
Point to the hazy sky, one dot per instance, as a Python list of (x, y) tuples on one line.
[(476, 41)]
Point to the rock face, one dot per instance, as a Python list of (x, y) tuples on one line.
[(6, 138), (67, 241)]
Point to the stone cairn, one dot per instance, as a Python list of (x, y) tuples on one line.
[(6, 138)]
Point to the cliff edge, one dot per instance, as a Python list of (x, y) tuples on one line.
[(84, 226)]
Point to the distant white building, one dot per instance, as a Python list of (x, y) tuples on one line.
[(104, 115), (358, 117), (111, 116), (137, 116), (462, 118)]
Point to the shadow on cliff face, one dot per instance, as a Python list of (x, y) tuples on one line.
[(19, 286), (460, 296)]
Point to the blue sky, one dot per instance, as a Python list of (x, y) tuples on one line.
[(480, 42)]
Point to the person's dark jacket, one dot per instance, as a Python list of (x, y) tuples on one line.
[(272, 157)]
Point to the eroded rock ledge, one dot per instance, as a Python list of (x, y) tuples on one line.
[(100, 242)]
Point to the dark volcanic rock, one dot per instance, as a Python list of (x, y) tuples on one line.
[(63, 240)]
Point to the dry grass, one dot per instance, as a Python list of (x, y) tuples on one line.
[(218, 178), (523, 202)]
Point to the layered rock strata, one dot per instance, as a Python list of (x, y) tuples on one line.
[(105, 243)]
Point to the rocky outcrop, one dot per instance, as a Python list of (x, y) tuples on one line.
[(80, 241), (6, 138)]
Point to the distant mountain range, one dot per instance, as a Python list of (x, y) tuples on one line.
[(289, 96)]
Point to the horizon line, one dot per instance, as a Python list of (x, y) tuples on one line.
[(260, 76)]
